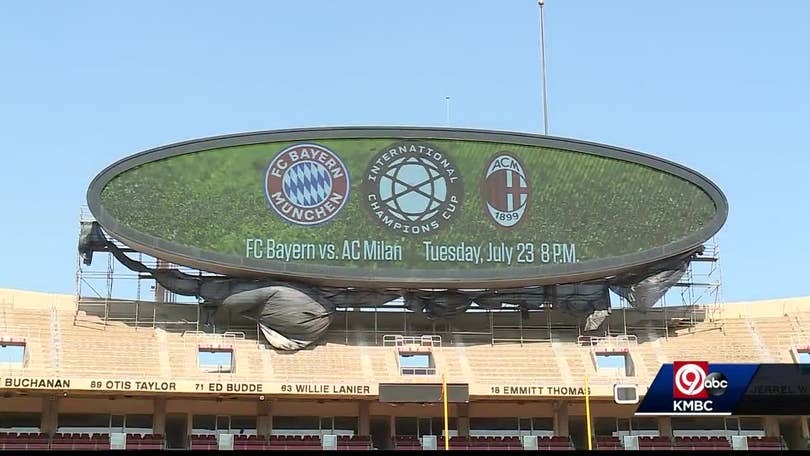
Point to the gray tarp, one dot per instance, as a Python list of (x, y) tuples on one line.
[(643, 288), (646, 292), (440, 305), (575, 298), (289, 318), (596, 319), (591, 299)]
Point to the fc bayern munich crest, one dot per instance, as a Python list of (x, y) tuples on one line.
[(505, 190), (306, 184)]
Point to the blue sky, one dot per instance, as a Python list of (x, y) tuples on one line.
[(718, 86)]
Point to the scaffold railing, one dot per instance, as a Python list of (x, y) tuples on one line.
[(614, 344), (396, 340), (228, 337), (793, 341)]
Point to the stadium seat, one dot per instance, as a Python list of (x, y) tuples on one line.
[(701, 443), (144, 442), (249, 443), (512, 443), (554, 443), (294, 442), (662, 443), (486, 443), (23, 441), (407, 442), (765, 443), (203, 442), (481, 443), (607, 442), (456, 442), (63, 441), (83, 442), (353, 442)]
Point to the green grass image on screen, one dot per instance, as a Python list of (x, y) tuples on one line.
[(214, 200)]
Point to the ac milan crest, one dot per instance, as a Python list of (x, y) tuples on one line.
[(505, 190), (306, 184)]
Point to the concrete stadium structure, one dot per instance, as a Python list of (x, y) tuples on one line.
[(84, 381)]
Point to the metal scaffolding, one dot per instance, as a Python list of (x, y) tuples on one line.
[(695, 298), (111, 294), (107, 294)]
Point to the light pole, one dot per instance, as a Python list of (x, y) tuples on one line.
[(543, 67)]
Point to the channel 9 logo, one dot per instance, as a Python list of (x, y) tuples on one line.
[(692, 380)]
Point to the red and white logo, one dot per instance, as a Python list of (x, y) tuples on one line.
[(689, 379), (306, 184), (505, 190)]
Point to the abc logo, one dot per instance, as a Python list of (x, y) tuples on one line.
[(716, 384), (692, 380)]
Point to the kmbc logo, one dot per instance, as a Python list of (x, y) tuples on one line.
[(692, 380)]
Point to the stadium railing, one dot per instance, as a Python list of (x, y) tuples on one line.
[(248, 443), (75, 441), (24, 441), (607, 442), (654, 443), (766, 443), (701, 443), (144, 442), (407, 442), (555, 443), (283, 442), (354, 442), (294, 442), (396, 340), (203, 442)]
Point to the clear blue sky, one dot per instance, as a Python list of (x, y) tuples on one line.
[(719, 86)]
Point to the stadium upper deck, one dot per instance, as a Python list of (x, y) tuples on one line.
[(65, 372)]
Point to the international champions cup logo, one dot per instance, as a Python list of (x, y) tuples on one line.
[(306, 184), (412, 188), (505, 190), (692, 380)]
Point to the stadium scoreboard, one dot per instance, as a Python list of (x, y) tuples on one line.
[(399, 206)]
